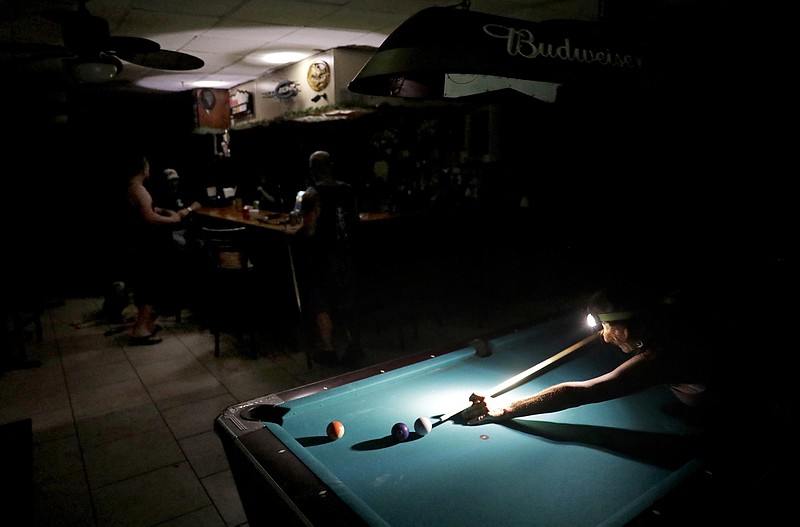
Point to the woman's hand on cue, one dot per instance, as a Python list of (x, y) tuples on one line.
[(483, 409)]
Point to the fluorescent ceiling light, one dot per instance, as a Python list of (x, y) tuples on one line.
[(284, 57), (211, 84)]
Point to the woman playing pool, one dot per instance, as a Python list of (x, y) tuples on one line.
[(663, 351)]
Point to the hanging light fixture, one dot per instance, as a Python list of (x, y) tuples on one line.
[(93, 70), (440, 50)]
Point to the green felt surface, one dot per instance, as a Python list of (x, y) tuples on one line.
[(599, 464)]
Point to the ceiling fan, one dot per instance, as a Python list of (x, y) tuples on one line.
[(91, 54)]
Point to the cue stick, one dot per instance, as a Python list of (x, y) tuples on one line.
[(521, 377), (294, 278), (309, 360)]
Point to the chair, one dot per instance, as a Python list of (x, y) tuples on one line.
[(228, 288)]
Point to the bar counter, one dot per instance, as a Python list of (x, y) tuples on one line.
[(272, 220)]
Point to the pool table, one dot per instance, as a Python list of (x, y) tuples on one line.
[(600, 464)]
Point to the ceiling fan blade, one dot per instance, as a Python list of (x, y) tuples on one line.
[(86, 33), (131, 45), (163, 60)]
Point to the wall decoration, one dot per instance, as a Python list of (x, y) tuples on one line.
[(285, 89), (319, 75), (213, 109), (222, 145), (241, 103)]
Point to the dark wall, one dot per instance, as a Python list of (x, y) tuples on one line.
[(687, 170), (61, 152)]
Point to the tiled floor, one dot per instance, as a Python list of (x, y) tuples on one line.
[(123, 436)]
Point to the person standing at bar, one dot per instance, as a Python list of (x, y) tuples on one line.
[(327, 269), (148, 243)]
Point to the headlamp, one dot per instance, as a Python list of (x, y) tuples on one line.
[(595, 319)]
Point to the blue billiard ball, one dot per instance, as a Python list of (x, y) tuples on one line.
[(400, 431)]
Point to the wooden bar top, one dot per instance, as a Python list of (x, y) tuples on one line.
[(276, 221)]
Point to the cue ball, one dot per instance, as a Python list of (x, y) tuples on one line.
[(335, 430), (422, 426), (400, 431)]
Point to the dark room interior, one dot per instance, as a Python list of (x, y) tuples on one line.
[(481, 215)]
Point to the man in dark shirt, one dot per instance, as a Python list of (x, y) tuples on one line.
[(328, 274)]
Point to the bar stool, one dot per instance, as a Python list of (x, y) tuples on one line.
[(228, 287)]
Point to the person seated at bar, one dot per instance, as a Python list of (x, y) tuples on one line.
[(169, 193), (269, 194)]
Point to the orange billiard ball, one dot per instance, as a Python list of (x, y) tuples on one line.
[(335, 430)]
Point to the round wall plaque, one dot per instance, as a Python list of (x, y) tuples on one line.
[(319, 75)]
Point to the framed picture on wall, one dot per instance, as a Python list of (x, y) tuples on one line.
[(212, 108)]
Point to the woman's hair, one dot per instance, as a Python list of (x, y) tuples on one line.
[(645, 314), (620, 298)]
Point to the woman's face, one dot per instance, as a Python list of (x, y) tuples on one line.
[(618, 335)]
